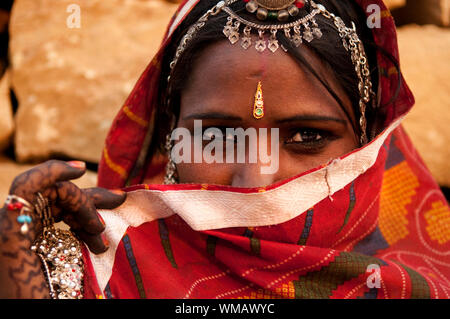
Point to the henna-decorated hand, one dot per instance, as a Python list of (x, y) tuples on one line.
[(76, 207)]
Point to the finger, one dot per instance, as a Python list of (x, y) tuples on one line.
[(73, 201), (45, 175), (96, 243), (104, 198)]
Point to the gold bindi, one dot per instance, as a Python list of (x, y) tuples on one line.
[(258, 106)]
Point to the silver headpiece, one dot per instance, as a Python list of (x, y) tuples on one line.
[(302, 28)]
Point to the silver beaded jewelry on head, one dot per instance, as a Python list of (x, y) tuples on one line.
[(296, 27)]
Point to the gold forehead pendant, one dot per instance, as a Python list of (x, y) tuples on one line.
[(258, 106)]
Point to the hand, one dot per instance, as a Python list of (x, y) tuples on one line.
[(76, 207)]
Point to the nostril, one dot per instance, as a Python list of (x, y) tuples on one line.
[(249, 176)]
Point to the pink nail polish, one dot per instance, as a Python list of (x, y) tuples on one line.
[(117, 191), (77, 164)]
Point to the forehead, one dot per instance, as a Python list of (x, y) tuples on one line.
[(224, 77)]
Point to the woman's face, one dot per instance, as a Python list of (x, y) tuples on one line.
[(220, 91)]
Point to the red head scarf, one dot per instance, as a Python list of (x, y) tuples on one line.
[(378, 229), (126, 141)]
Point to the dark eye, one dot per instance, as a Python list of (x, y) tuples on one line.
[(306, 136)]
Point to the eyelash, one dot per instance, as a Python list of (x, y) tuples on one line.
[(308, 144), (316, 136), (316, 141)]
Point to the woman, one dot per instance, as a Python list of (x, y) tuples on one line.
[(347, 210)]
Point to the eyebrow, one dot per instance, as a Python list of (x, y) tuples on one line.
[(310, 117), (212, 116), (295, 118)]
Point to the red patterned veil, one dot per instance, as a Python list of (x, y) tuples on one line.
[(371, 224)]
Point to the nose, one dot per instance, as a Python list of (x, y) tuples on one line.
[(249, 176), (262, 170)]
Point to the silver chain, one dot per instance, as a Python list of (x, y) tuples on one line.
[(350, 41)]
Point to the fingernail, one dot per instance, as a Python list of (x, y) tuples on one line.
[(77, 164), (117, 191)]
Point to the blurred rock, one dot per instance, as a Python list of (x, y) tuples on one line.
[(391, 4), (425, 63), (6, 116), (424, 12), (9, 170), (70, 82)]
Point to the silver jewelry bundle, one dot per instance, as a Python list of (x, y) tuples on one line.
[(302, 29), (60, 253)]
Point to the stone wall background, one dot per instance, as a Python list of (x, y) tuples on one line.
[(61, 87)]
